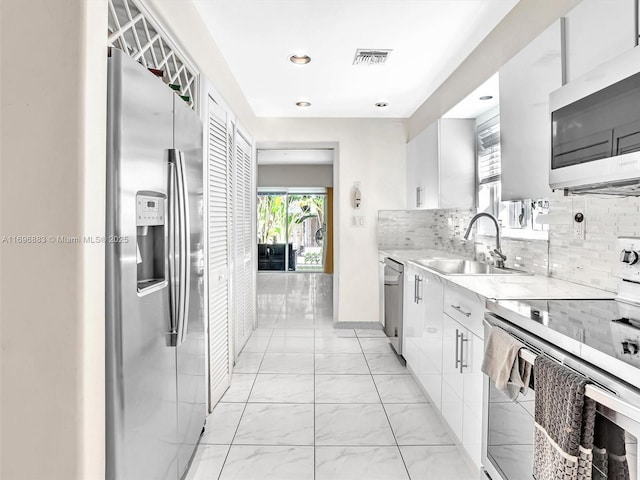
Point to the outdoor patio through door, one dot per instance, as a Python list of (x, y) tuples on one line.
[(291, 230)]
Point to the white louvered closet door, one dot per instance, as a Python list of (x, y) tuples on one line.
[(218, 252), (249, 220), (242, 218)]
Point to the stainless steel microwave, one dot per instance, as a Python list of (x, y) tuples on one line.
[(595, 130)]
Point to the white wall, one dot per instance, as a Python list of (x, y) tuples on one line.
[(295, 175), (373, 152), (52, 177), (184, 24), (521, 25)]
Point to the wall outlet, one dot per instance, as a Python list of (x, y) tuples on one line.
[(579, 217), (578, 229), (357, 221)]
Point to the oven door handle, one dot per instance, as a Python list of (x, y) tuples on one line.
[(599, 395), (612, 402)]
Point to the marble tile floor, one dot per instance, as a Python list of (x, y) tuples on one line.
[(309, 402)]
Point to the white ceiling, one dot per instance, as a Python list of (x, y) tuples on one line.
[(471, 106), (429, 39)]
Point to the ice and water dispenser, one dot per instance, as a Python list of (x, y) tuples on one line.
[(150, 239)]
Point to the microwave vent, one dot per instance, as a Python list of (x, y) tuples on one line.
[(628, 188), (370, 56)]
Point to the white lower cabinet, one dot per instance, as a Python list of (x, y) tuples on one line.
[(445, 353), (472, 395), (462, 385), (430, 367), (452, 382), (413, 317), (422, 343)]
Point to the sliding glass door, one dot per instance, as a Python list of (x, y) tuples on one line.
[(307, 230), (291, 230)]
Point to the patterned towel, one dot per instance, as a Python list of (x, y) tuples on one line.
[(565, 418), (609, 451)]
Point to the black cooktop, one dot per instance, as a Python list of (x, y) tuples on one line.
[(607, 326)]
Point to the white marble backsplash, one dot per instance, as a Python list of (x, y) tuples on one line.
[(591, 261), (434, 229), (523, 254)]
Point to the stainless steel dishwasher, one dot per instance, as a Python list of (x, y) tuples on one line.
[(393, 286)]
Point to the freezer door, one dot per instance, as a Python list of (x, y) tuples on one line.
[(190, 353), (141, 427)]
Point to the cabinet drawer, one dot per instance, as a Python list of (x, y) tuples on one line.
[(466, 307)]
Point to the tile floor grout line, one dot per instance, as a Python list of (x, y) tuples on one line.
[(387, 417), (225, 461), (236, 431), (282, 323)]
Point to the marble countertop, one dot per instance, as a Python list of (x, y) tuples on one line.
[(504, 287), (411, 255)]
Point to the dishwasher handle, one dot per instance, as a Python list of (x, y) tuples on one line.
[(391, 280)]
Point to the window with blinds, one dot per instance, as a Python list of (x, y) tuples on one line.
[(489, 169), (489, 151)]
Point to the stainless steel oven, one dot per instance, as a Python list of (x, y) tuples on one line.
[(508, 426)]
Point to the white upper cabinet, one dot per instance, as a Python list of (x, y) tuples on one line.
[(441, 166), (598, 31), (525, 123)]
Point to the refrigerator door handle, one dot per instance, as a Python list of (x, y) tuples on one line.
[(184, 233), (173, 226)]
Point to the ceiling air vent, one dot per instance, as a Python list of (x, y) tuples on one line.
[(370, 57)]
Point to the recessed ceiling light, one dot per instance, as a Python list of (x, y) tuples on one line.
[(486, 97), (303, 104), (382, 104), (300, 59)]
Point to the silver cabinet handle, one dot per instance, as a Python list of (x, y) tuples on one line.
[(459, 309), (415, 289), (462, 342), (418, 196), (458, 361), (418, 283)]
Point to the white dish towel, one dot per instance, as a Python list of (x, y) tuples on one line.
[(502, 364)]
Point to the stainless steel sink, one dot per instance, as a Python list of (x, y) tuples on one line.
[(467, 267)]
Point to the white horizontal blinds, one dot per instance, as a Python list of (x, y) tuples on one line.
[(218, 252), (489, 151)]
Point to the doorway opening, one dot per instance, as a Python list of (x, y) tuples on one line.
[(292, 229)]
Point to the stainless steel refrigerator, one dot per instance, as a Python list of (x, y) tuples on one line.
[(155, 349)]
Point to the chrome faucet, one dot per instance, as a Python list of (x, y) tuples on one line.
[(498, 256)]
